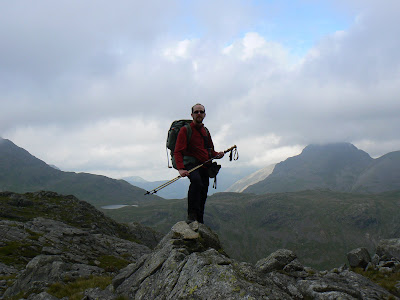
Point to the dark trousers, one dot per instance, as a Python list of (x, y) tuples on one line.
[(197, 194)]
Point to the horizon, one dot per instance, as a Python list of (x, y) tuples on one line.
[(142, 179)]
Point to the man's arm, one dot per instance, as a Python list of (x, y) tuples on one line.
[(180, 147)]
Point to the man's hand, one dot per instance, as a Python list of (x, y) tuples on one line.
[(220, 155), (183, 172)]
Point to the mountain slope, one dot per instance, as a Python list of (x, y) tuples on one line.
[(383, 174), (22, 172), (331, 166), (318, 225), (240, 185)]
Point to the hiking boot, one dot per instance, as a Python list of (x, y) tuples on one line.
[(190, 218)]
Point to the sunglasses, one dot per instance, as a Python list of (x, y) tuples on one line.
[(198, 112)]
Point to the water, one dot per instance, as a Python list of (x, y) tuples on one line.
[(116, 206)]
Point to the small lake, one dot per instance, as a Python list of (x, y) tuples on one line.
[(116, 206)]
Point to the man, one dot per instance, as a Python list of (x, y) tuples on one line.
[(187, 156)]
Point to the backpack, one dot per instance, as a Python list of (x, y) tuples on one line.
[(173, 135)]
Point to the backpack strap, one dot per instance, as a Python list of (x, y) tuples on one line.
[(188, 133)]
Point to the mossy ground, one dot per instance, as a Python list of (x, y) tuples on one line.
[(74, 289), (386, 280), (18, 254), (111, 263)]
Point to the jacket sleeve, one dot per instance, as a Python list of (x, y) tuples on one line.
[(180, 147)]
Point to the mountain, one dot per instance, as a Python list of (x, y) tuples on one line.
[(319, 225), (179, 188), (176, 190), (383, 174), (240, 185), (56, 247), (22, 172), (330, 166)]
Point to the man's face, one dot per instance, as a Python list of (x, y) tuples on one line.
[(198, 114)]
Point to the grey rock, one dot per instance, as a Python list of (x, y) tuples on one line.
[(187, 263), (375, 259), (397, 286), (42, 296), (78, 245), (44, 270), (389, 249), (183, 230), (343, 285), (359, 258), (276, 261), (189, 268), (7, 270), (97, 294), (385, 270)]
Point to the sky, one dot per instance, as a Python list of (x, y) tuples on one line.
[(93, 86)]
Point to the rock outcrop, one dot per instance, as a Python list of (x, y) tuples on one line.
[(384, 266), (188, 263)]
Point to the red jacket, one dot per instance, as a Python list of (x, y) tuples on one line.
[(196, 145)]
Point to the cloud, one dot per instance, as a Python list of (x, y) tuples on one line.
[(90, 86)]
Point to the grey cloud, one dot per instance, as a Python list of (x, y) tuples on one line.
[(72, 64)]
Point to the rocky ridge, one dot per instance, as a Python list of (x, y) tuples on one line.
[(39, 254)]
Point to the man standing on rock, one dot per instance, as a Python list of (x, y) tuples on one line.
[(188, 155)]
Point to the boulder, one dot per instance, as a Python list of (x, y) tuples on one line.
[(388, 249), (359, 258), (276, 261), (45, 270), (189, 266)]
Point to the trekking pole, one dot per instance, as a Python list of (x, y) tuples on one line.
[(231, 149)]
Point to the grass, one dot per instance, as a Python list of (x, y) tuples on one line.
[(386, 280), (74, 290), (111, 263), (66, 209), (17, 253)]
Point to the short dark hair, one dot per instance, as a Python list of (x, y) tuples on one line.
[(198, 104)]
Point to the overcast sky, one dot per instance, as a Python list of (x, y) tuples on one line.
[(93, 86)]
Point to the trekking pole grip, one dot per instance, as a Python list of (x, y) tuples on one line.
[(230, 149)]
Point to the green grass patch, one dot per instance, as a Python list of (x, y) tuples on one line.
[(74, 290), (386, 280), (17, 253), (111, 263)]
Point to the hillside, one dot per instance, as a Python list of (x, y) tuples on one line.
[(22, 172), (320, 226), (383, 174), (240, 185), (58, 247), (332, 166)]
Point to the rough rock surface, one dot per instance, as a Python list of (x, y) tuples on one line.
[(359, 258), (385, 263), (389, 249), (183, 266), (188, 263)]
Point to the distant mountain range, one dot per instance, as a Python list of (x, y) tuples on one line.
[(178, 190), (22, 172), (338, 167), (312, 223)]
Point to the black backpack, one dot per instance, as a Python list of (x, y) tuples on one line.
[(173, 135)]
